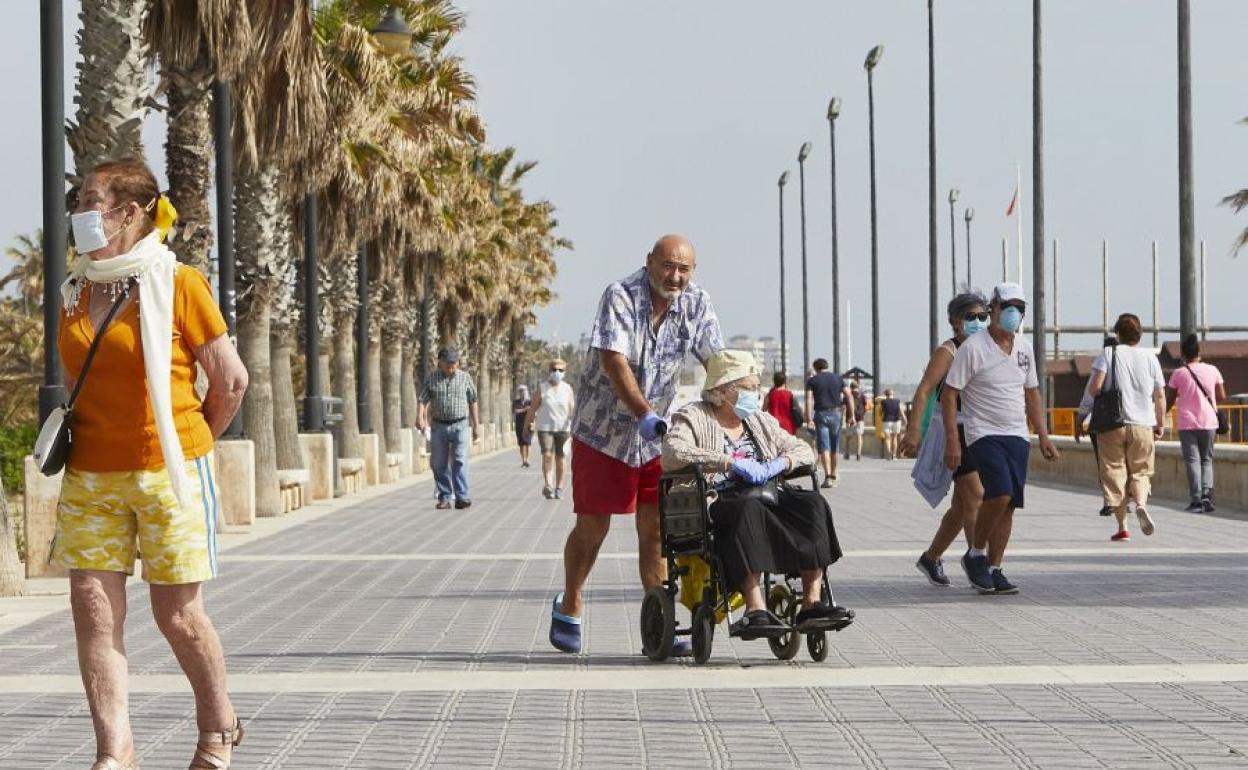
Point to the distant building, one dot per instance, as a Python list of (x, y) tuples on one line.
[(766, 351)]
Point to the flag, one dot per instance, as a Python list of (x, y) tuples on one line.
[(1009, 212)]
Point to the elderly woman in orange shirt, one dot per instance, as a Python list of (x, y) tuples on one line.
[(140, 468)]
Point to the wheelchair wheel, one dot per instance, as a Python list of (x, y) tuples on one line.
[(658, 624), (783, 604), (703, 633), (817, 646)]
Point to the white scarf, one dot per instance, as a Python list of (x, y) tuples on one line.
[(153, 264)]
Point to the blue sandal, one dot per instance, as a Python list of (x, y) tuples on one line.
[(565, 630)]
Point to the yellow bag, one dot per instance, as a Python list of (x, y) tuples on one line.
[(695, 580)]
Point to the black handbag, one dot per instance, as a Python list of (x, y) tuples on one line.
[(56, 435), (1107, 407), (1224, 425), (796, 416)]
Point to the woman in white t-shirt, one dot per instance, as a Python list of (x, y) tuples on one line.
[(1126, 452), (551, 412)]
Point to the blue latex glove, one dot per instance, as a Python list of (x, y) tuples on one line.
[(776, 467), (749, 471), (651, 426)]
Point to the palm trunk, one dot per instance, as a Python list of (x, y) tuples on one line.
[(374, 386), (12, 573), (391, 368), (408, 385), (258, 413), (342, 383), (113, 88), (188, 161), (485, 392), (285, 412)]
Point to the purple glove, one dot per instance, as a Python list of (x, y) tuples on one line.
[(651, 426), (750, 471), (776, 467)]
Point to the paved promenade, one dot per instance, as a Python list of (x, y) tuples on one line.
[(391, 635)]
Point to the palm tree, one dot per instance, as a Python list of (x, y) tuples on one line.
[(1238, 201), (12, 572), (27, 272)]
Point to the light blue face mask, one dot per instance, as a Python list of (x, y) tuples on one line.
[(970, 327), (556, 377), (1011, 319), (748, 402)]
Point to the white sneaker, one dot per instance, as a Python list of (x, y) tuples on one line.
[(1146, 521)]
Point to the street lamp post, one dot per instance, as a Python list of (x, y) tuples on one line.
[(933, 266), (52, 111), (802, 155), (834, 111), (953, 243), (1187, 208), (784, 340), (364, 411), (968, 216), (1039, 309), (873, 58), (222, 122)]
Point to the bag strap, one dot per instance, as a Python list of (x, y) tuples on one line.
[(1196, 379), (95, 343)]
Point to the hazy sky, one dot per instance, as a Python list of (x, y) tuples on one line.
[(648, 117)]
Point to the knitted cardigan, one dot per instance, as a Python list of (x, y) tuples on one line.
[(695, 437)]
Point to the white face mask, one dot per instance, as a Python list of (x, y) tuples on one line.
[(88, 227), (556, 377)]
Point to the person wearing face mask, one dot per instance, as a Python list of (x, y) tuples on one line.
[(551, 413), (738, 445), (139, 480), (968, 315), (520, 413), (645, 327), (995, 377)]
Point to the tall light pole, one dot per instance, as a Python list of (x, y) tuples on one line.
[(873, 58), (968, 216), (933, 259), (1187, 210), (802, 155), (1039, 310), (784, 340), (953, 244), (222, 124), (834, 111), (52, 112)]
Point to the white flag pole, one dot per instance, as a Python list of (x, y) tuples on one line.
[(849, 333), (1018, 212)]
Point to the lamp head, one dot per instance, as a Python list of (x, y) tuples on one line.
[(953, 195), (834, 108), (873, 57), (784, 179), (970, 214), (392, 32), (803, 153)]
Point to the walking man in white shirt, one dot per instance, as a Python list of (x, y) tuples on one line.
[(996, 378), (551, 412)]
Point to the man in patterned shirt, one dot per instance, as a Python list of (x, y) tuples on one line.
[(448, 406), (646, 325)]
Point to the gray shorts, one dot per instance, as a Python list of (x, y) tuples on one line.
[(553, 439)]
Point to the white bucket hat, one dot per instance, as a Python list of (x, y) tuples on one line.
[(729, 366)]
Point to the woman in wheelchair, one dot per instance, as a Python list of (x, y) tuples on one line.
[(760, 524)]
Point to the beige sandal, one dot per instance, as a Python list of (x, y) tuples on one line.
[(209, 754), (112, 763)]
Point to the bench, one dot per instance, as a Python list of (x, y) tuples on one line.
[(294, 483), (352, 471), (393, 468)]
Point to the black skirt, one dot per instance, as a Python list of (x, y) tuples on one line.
[(795, 535)]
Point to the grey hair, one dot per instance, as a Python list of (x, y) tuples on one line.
[(960, 303), (715, 396)]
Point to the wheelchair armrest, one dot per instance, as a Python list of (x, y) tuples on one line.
[(801, 472), (687, 473)]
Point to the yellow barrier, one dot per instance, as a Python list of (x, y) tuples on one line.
[(1062, 423)]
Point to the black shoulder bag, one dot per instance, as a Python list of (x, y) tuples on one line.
[(56, 435), (1224, 427), (1107, 407)]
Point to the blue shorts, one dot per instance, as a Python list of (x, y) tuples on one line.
[(1002, 465), (827, 430)]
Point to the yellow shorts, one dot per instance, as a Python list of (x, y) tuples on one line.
[(101, 516)]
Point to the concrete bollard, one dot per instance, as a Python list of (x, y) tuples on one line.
[(408, 449), (319, 449), (235, 464), (372, 458), (41, 497)]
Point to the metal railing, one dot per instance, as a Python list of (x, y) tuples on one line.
[(1062, 423)]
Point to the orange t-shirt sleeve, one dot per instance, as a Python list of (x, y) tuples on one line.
[(196, 312)]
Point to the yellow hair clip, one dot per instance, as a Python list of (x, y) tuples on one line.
[(166, 215)]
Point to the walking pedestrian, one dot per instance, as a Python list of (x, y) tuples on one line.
[(552, 412), (857, 407), (779, 404), (139, 479), (1197, 387), (1083, 415), (994, 375), (893, 419), (826, 397), (448, 408), (968, 315), (646, 325), (1126, 450), (520, 415)]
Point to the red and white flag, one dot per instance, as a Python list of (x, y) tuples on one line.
[(1009, 211)]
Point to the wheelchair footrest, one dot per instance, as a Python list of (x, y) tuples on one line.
[(744, 631)]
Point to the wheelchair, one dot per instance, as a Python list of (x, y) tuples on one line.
[(694, 573)]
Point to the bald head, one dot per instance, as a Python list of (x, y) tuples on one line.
[(670, 265)]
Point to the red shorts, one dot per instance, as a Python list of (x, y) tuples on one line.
[(604, 485)]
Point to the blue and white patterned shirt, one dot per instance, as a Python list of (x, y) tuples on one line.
[(602, 420)]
